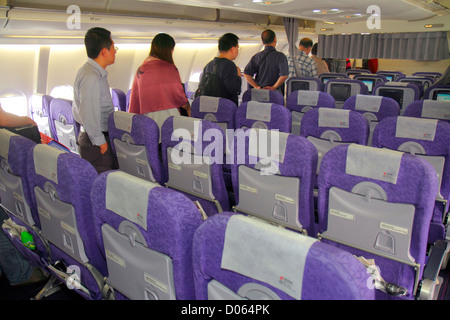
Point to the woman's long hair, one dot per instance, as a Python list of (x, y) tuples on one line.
[(162, 46)]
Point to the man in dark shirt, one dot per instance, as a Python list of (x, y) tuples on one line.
[(229, 74), (267, 69)]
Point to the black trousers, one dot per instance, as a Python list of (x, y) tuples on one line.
[(91, 153)]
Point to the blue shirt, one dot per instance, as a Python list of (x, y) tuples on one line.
[(275, 65), (92, 102)]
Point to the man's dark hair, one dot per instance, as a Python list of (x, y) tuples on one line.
[(314, 49), (306, 42), (227, 41), (268, 36), (95, 40)]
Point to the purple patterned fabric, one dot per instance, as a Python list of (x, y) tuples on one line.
[(416, 185), (19, 148), (62, 107), (274, 96), (144, 131), (171, 219), (281, 118), (218, 184), (329, 274), (388, 107), (357, 132), (325, 101), (300, 161), (119, 99), (414, 109), (226, 112), (384, 137), (75, 176)]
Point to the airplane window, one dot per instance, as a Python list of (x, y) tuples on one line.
[(62, 92), (14, 102)]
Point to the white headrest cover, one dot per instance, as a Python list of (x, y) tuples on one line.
[(374, 163), (264, 252), (416, 128), (123, 120), (127, 196), (208, 104), (46, 161)]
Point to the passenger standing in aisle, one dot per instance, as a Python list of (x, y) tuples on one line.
[(157, 90), (267, 69), (229, 75), (92, 102), (306, 64), (322, 66)]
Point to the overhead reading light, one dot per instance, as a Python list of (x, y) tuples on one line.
[(270, 2), (436, 25), (327, 11)]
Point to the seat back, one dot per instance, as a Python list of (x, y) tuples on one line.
[(370, 80), (342, 89), (378, 203), (119, 99), (324, 77), (145, 231), (254, 114), (373, 108), (128, 96), (60, 184), (327, 128), (391, 75), (65, 128), (135, 141), (402, 92), (14, 191), (266, 158), (303, 83), (431, 109), (422, 82), (237, 257), (434, 75), (15, 195), (440, 92), (427, 139), (263, 95), (192, 153), (40, 111), (351, 73), (300, 101), (219, 110)]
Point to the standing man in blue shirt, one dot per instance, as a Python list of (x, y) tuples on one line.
[(267, 69), (92, 102)]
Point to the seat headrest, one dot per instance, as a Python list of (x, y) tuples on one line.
[(46, 161), (251, 246), (416, 128), (123, 120), (373, 163), (336, 118), (127, 196)]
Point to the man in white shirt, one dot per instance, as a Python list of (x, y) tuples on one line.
[(92, 102)]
